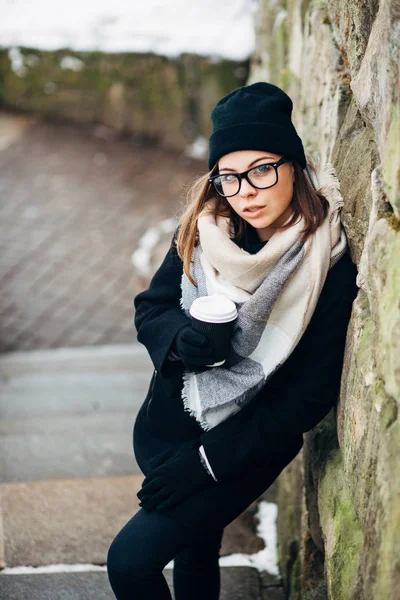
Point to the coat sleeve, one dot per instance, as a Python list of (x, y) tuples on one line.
[(158, 316), (299, 394)]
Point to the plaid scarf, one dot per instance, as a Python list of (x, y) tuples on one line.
[(275, 291)]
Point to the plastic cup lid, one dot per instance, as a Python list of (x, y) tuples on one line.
[(216, 308)]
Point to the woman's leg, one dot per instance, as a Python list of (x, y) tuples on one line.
[(138, 554), (196, 570)]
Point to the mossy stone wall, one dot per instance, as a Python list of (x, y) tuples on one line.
[(164, 100), (339, 501)]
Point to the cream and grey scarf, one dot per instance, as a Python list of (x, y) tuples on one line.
[(275, 291)]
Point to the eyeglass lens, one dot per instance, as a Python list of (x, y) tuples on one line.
[(263, 176)]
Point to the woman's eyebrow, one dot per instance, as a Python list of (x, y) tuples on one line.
[(248, 166)]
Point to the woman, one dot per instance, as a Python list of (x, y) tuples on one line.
[(211, 440)]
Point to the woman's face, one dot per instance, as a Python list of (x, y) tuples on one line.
[(274, 201)]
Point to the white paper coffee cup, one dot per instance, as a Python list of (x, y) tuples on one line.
[(214, 316)]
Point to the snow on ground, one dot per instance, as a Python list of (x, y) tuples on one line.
[(141, 257), (267, 558), (60, 568), (206, 27)]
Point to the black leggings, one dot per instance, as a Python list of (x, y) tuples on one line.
[(147, 543)]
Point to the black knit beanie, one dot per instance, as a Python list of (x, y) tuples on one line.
[(255, 117)]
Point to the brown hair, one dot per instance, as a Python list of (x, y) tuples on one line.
[(306, 201)]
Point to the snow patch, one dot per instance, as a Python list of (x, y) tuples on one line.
[(61, 568), (198, 149), (141, 257), (72, 63), (17, 62), (266, 529), (205, 27)]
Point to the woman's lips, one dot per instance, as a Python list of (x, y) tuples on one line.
[(253, 212)]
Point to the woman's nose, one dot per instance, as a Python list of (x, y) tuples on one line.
[(246, 189)]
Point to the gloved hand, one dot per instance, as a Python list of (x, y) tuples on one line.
[(194, 349), (171, 453), (172, 481)]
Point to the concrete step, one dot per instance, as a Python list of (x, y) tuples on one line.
[(115, 357), (74, 521), (70, 412), (66, 447), (70, 521), (237, 583)]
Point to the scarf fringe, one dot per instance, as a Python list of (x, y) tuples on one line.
[(186, 402), (331, 187), (324, 178)]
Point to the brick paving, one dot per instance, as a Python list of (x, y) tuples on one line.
[(74, 204)]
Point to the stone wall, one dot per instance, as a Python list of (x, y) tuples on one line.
[(339, 501), (160, 99)]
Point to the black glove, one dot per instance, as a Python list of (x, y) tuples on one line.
[(172, 481), (194, 349)]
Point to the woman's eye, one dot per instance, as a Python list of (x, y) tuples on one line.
[(227, 178), (262, 169)]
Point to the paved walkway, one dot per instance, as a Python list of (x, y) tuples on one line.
[(74, 204)]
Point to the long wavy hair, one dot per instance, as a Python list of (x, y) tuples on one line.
[(306, 201)]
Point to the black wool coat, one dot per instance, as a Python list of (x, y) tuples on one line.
[(248, 450)]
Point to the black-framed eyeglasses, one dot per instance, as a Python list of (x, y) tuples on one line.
[(260, 177)]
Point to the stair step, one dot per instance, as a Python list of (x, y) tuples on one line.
[(112, 357), (74, 521), (65, 521), (237, 583), (77, 446), (70, 412)]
